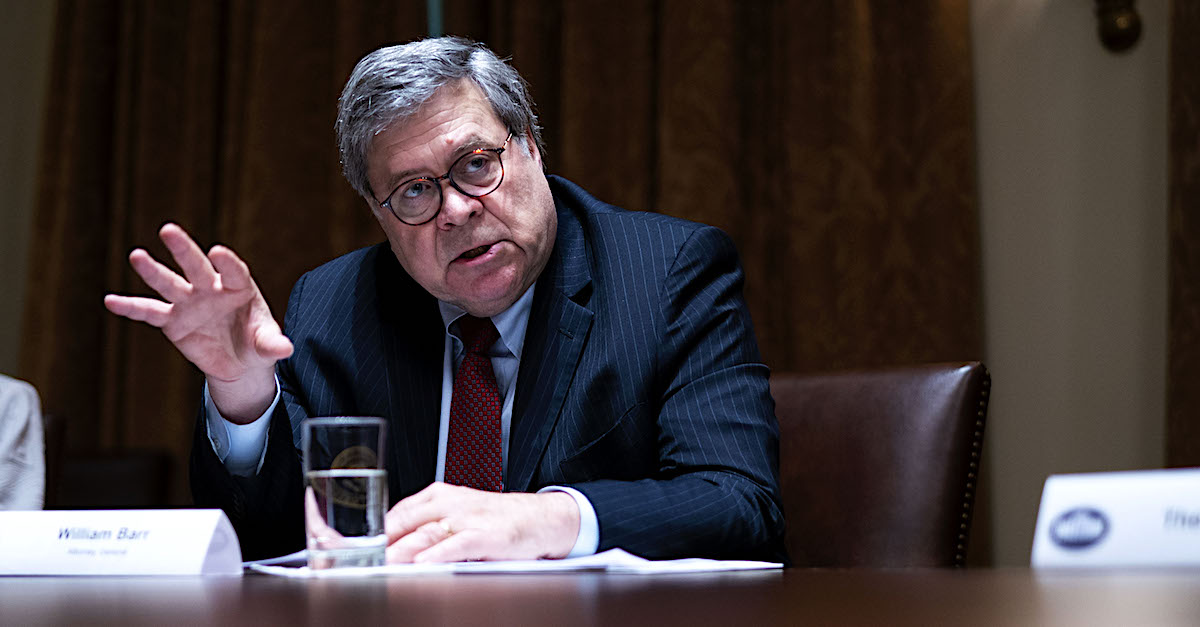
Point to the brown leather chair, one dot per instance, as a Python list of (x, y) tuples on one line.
[(54, 439), (125, 479), (879, 468), (109, 479)]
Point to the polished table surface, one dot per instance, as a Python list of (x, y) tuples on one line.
[(789, 597)]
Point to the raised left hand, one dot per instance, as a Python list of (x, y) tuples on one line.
[(447, 523)]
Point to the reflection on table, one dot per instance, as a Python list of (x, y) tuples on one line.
[(921, 597)]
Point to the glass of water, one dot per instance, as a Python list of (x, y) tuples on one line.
[(345, 491)]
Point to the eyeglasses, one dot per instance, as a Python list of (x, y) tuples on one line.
[(475, 174)]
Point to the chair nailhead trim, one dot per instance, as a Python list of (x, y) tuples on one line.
[(973, 465)]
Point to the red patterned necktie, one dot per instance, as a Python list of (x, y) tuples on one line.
[(473, 444)]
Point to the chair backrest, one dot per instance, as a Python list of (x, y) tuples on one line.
[(113, 479), (54, 432), (880, 468), (125, 479)]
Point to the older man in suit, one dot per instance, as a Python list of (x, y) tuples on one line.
[(623, 402)]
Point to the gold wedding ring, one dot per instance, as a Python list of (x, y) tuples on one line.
[(446, 528)]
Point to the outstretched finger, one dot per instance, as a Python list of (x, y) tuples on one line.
[(235, 274), (160, 278), (148, 310), (187, 254)]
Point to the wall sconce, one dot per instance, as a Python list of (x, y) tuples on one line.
[(1119, 26)]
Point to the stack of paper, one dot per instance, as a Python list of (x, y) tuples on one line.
[(611, 561)]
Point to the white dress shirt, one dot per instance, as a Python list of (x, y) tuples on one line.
[(242, 448)]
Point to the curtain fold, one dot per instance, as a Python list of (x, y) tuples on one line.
[(833, 140), (215, 115)]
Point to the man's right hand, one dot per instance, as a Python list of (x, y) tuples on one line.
[(216, 316)]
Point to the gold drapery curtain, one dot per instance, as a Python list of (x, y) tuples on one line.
[(1183, 382), (833, 140)]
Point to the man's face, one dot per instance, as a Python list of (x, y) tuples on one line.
[(515, 224)]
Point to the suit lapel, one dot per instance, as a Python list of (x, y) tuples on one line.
[(411, 341), (554, 340)]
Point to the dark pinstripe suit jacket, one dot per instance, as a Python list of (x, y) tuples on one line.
[(640, 385)]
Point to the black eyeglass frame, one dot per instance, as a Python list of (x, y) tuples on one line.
[(436, 181)]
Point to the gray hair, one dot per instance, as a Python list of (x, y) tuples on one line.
[(391, 83)]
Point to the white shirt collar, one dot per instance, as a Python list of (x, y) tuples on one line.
[(510, 323)]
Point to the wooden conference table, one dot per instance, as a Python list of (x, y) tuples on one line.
[(790, 597)]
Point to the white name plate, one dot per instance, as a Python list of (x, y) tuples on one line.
[(1145, 518), (119, 542)]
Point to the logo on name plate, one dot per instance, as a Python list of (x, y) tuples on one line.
[(1079, 528)]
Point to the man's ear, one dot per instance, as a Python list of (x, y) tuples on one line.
[(533, 147), (375, 209)]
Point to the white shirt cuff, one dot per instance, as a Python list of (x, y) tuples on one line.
[(588, 539), (242, 448)]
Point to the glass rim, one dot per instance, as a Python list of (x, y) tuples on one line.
[(344, 421)]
